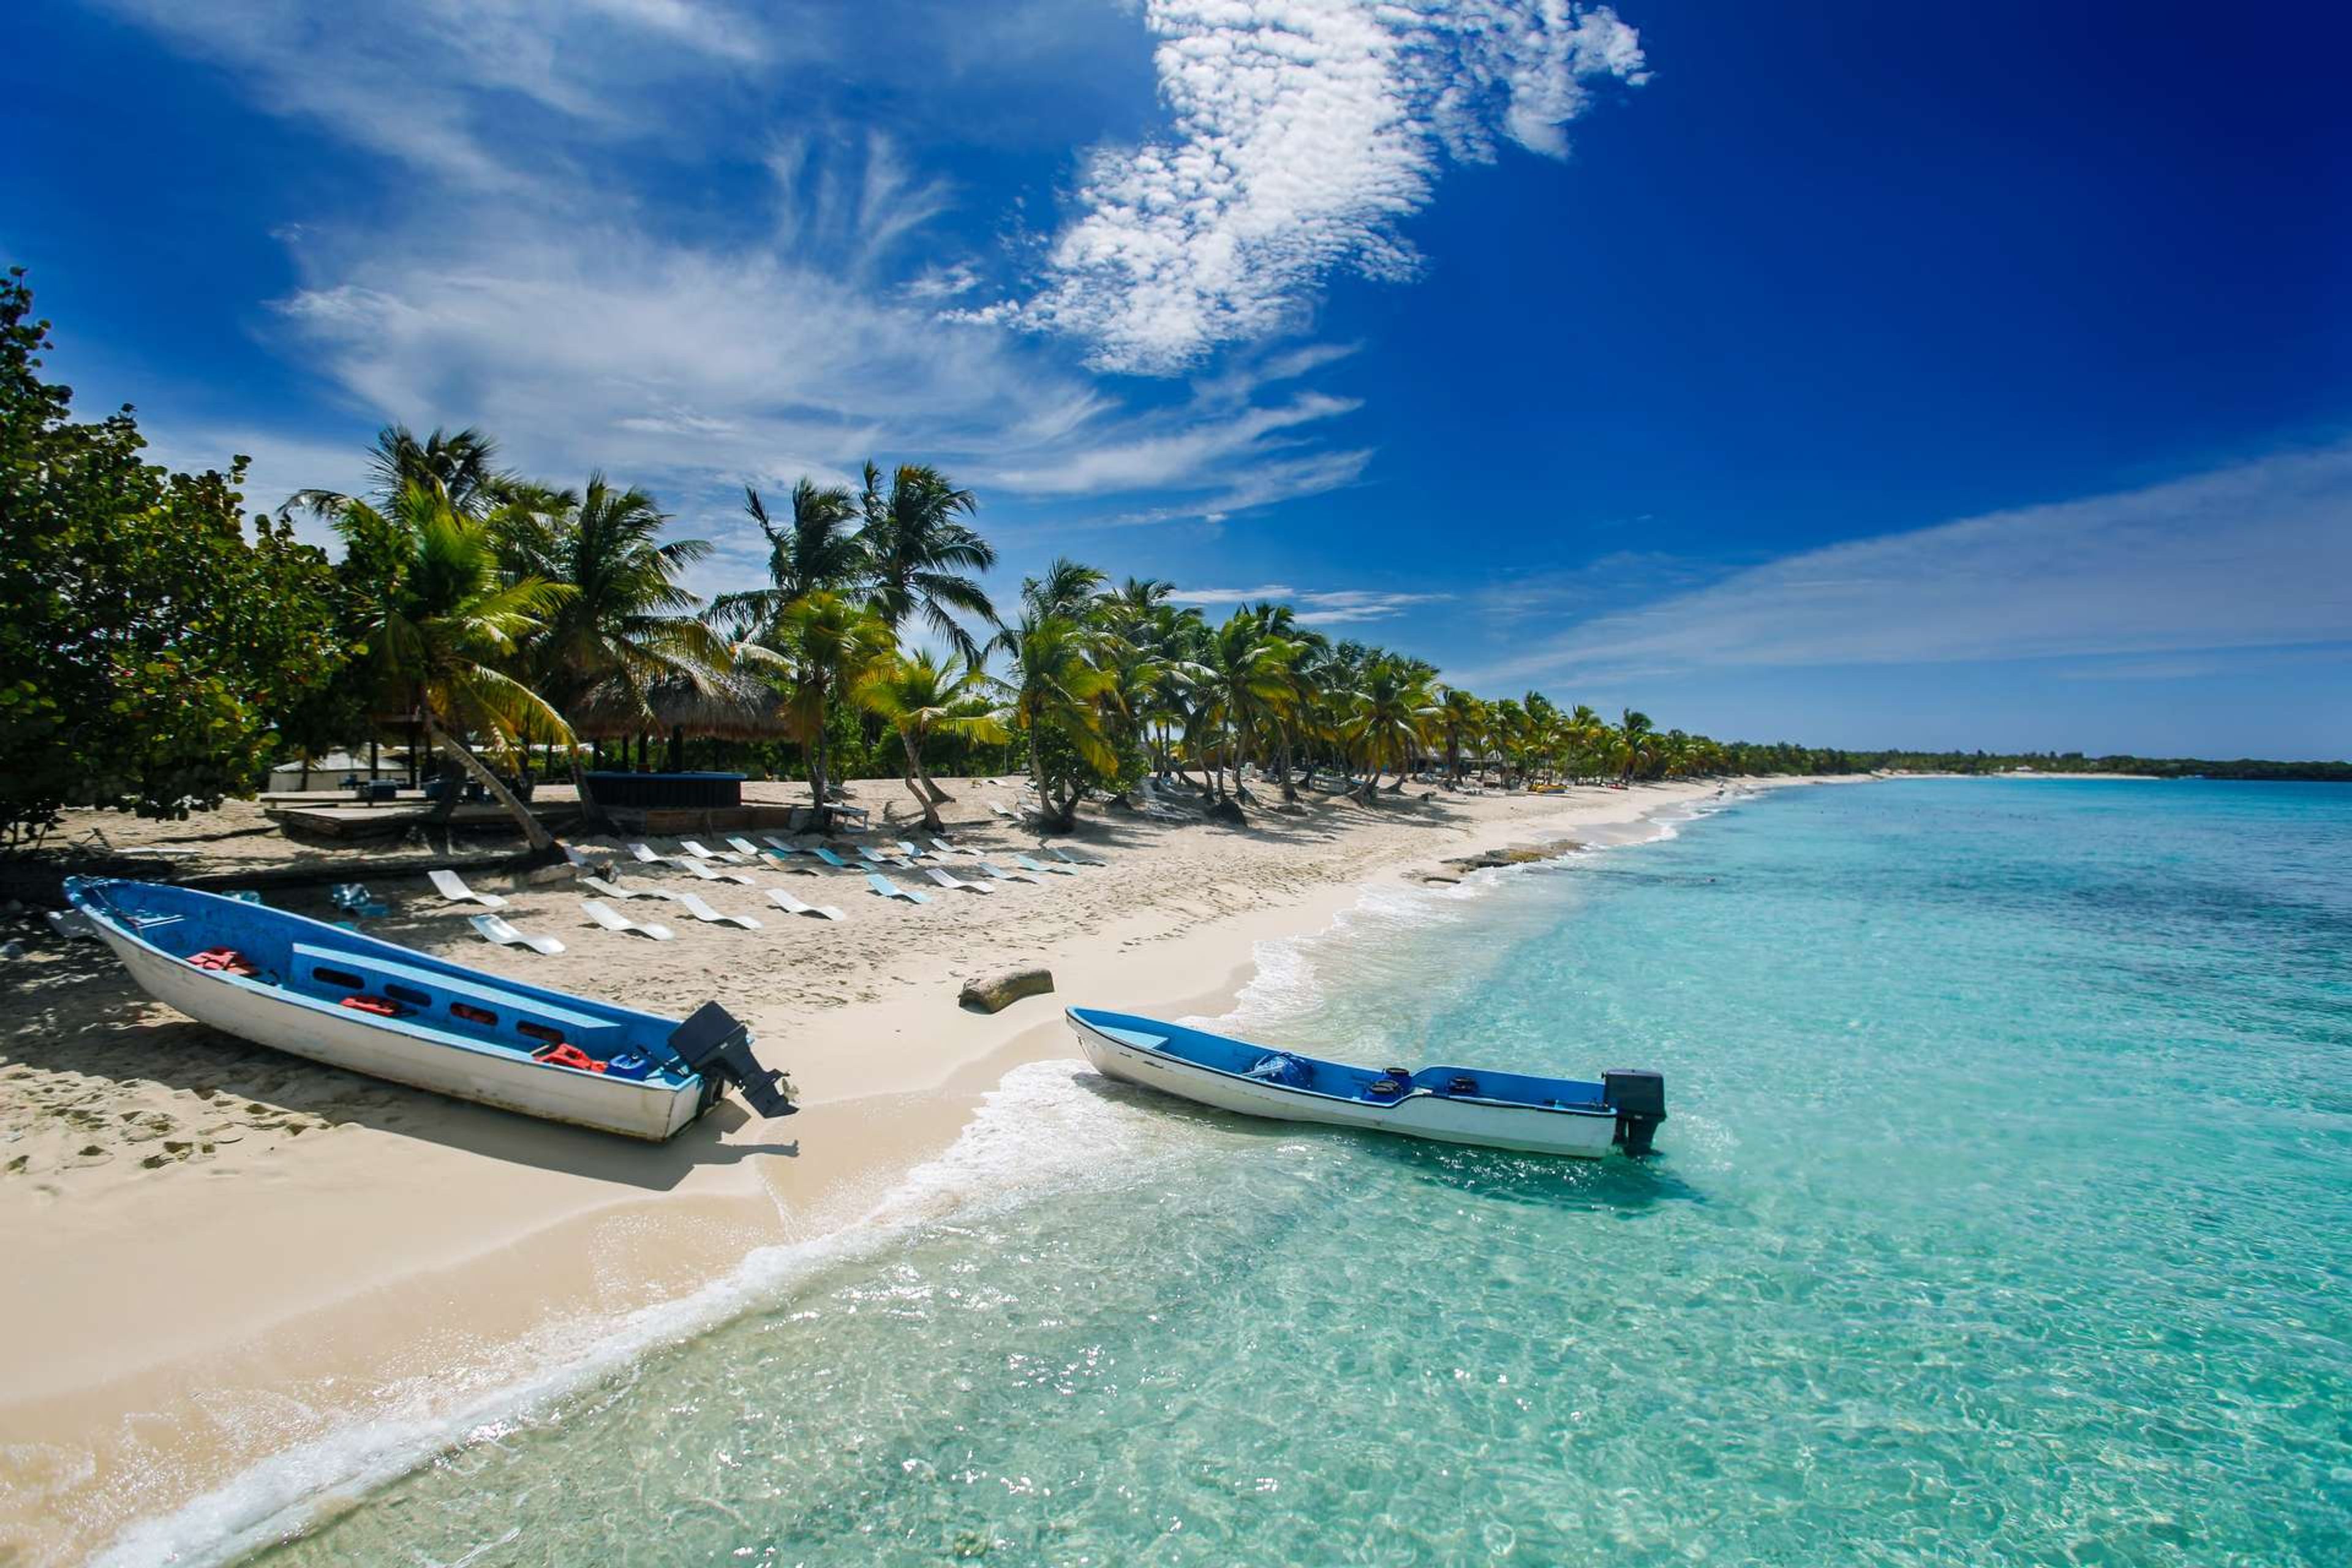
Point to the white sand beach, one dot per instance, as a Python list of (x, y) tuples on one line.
[(220, 1252)]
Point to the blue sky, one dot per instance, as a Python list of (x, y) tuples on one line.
[(1971, 375)]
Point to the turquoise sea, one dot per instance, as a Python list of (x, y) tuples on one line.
[(2004, 1216)]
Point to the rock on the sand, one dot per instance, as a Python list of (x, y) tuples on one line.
[(995, 993)]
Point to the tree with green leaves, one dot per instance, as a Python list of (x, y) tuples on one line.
[(922, 557), (833, 648), (1391, 711), (920, 696), (1053, 691), (463, 465), (442, 630), (147, 646)]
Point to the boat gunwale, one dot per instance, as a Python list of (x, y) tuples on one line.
[(1077, 1015), (667, 1081)]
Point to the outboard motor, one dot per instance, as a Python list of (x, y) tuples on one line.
[(717, 1044), (1639, 1098)]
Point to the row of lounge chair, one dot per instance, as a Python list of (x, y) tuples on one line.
[(710, 865)]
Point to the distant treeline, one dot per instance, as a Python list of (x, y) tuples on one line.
[(1810, 760)]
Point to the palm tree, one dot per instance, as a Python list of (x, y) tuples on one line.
[(817, 551), (835, 647), (1392, 710), (628, 625), (462, 464), (922, 555), (1067, 589), (1055, 695), (1243, 677), (1460, 719), (628, 621), (439, 626), (920, 696), (1637, 743)]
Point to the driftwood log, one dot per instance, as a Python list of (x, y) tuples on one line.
[(995, 993)]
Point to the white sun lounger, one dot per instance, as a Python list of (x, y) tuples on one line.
[(890, 889), (1058, 853), (605, 915), (999, 807), (907, 847), (646, 853), (1002, 875), (1028, 864), (947, 878), (704, 870), (494, 928), (453, 888), (692, 904), (748, 850), (703, 852), (604, 890), (943, 847), (873, 856), (792, 906)]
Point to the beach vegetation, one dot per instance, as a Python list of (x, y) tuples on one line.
[(444, 632), (920, 696), (149, 644)]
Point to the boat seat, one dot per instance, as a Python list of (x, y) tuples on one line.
[(1131, 1036), (447, 987)]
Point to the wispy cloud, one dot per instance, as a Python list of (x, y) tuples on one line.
[(2258, 554), (453, 87), (1305, 132), (532, 279), (1326, 606), (1179, 455)]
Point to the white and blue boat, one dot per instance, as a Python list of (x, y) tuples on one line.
[(333, 995), (1447, 1104)]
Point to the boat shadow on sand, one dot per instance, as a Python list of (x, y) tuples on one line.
[(85, 1046), (1619, 1185)]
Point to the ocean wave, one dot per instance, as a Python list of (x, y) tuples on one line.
[(1042, 1130)]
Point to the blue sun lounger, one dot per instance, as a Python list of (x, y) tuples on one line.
[(890, 889)]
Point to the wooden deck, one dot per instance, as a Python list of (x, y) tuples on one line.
[(351, 820)]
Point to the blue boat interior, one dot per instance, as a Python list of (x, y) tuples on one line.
[(329, 966), (1341, 1080)]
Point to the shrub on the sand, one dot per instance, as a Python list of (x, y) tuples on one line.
[(145, 640)]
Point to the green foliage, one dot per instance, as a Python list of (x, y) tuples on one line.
[(146, 644)]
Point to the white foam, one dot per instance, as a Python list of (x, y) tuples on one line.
[(1041, 1130)]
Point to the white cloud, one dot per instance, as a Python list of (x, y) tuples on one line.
[(424, 80), (1305, 132), (2259, 554), (1326, 606), (1179, 456), (522, 281)]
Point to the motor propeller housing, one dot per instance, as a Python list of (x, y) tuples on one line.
[(1639, 1097)]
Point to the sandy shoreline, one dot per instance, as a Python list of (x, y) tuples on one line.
[(222, 1253)]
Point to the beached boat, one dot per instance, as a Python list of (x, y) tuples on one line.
[(1449, 1104), (331, 995)]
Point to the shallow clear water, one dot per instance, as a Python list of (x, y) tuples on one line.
[(2004, 1216)]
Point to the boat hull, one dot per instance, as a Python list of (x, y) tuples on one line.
[(1577, 1135), (319, 1033)]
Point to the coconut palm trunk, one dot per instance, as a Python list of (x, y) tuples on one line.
[(926, 803), (459, 752)]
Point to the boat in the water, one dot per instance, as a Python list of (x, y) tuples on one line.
[(1448, 1104), (334, 995)]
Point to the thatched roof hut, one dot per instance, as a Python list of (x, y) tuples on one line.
[(732, 707)]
